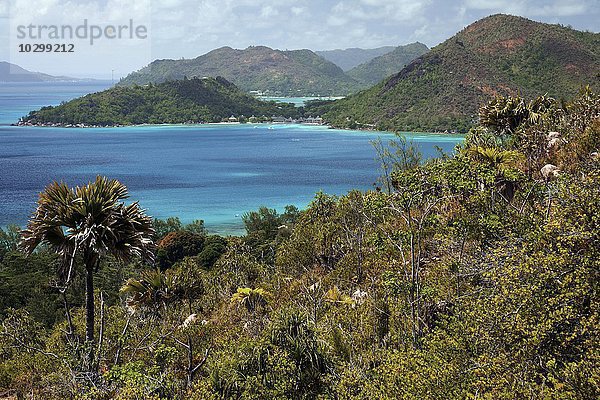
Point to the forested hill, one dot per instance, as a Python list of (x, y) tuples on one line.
[(500, 54), (375, 70), (290, 72), (188, 100)]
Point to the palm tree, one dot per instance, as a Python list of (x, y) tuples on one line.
[(251, 298), (90, 222), (505, 114), (494, 157), (153, 290), (501, 161)]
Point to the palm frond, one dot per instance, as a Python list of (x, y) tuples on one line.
[(90, 218)]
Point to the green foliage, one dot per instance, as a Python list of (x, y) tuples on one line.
[(153, 290), (214, 247), (9, 239), (383, 66), (174, 102), (288, 362), (505, 114), (264, 223), (334, 295), (196, 227), (250, 298), (173, 224), (164, 226), (89, 221), (543, 285), (472, 276), (494, 157), (135, 381), (398, 154), (266, 228), (25, 283)]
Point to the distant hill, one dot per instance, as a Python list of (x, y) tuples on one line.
[(13, 73), (290, 72), (500, 54), (190, 100), (375, 70), (347, 59)]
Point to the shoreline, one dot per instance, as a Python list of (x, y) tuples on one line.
[(59, 125), (328, 126)]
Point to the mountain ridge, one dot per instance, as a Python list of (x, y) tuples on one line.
[(14, 73), (497, 55), (352, 57), (379, 68), (256, 68)]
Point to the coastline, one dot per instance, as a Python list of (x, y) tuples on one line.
[(81, 125), (325, 125), (60, 125)]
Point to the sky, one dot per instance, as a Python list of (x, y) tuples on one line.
[(188, 28)]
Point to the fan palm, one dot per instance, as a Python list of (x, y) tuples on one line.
[(505, 114), (90, 222), (494, 157), (153, 289), (251, 298), (501, 161)]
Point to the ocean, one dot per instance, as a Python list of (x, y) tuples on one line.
[(210, 172)]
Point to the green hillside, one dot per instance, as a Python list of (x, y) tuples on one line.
[(290, 72), (498, 55), (189, 100), (375, 70)]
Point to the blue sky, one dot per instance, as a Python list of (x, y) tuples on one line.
[(188, 28)]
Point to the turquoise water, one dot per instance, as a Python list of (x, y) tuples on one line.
[(17, 99), (297, 101), (210, 172)]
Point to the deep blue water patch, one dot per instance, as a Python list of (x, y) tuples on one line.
[(210, 172)]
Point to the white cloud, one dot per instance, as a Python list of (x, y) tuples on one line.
[(268, 12), (188, 28), (561, 10), (380, 10), (3, 8), (298, 10), (533, 7), (88, 57)]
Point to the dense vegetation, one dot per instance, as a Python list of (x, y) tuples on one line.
[(499, 54), (473, 275), (379, 68), (347, 59), (184, 101), (274, 72)]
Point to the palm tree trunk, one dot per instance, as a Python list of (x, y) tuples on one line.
[(89, 314)]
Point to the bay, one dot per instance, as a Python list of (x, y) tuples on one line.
[(211, 172), (17, 99)]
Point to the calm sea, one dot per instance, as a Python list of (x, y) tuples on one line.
[(210, 172)]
